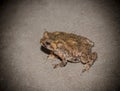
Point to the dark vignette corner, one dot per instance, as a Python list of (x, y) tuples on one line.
[(114, 5)]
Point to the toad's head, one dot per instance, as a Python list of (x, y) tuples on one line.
[(47, 40)]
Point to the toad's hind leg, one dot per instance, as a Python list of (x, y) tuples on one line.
[(91, 59)]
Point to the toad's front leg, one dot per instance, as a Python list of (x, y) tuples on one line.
[(52, 56), (63, 60), (61, 64)]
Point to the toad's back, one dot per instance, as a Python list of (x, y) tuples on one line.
[(71, 41)]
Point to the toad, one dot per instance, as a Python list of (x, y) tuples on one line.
[(69, 47)]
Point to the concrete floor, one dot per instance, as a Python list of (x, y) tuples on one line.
[(24, 67)]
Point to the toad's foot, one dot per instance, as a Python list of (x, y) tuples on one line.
[(61, 64), (86, 68)]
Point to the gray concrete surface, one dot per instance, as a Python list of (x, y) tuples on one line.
[(26, 68)]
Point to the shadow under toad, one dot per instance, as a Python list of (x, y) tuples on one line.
[(45, 50)]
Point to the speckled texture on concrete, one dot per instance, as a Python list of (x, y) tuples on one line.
[(24, 67)]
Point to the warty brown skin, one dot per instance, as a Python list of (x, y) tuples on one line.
[(69, 47)]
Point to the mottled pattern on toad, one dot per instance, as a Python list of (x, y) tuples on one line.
[(69, 47)]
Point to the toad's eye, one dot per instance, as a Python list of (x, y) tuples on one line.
[(47, 43)]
